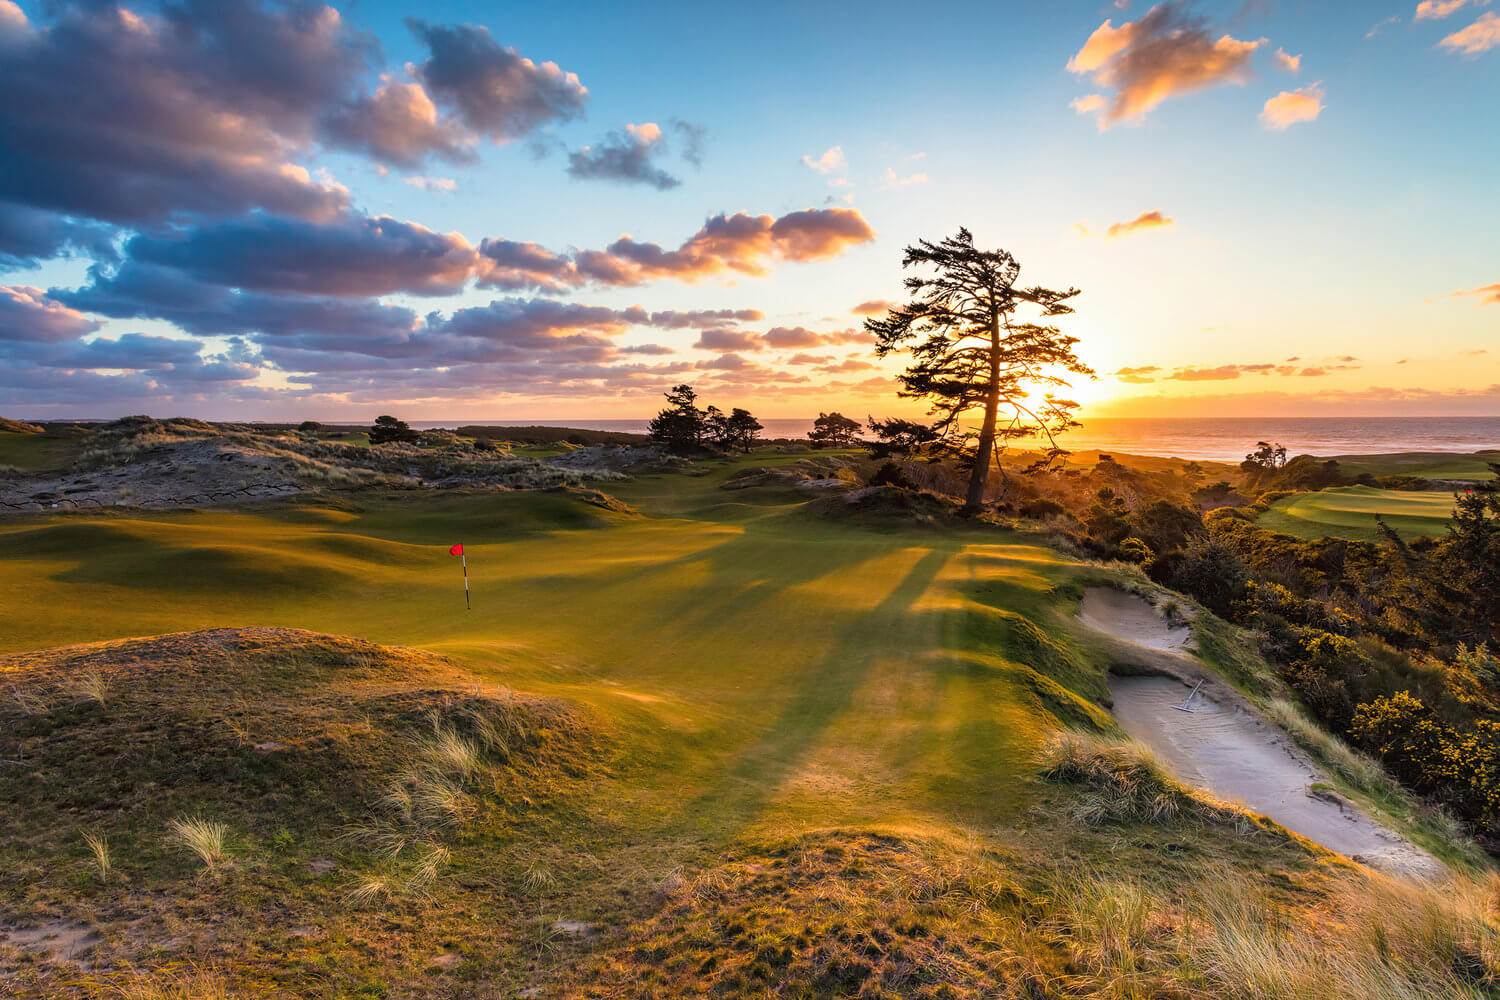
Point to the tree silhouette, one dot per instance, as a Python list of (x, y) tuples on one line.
[(741, 429), (834, 430), (970, 351), (387, 428), (681, 426)]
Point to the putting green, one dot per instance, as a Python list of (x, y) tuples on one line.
[(1350, 512)]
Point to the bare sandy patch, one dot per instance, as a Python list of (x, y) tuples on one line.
[(1131, 618), (1223, 746)]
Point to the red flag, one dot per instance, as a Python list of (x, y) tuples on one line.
[(456, 550)]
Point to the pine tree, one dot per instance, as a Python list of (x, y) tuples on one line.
[(681, 426), (971, 351), (834, 430)]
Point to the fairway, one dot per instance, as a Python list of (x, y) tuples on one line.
[(1350, 512), (787, 666), (1473, 466)]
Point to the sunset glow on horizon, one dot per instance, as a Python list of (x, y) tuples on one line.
[(1269, 208)]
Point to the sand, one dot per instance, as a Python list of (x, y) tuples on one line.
[(1132, 619), (1237, 756), (1226, 748)]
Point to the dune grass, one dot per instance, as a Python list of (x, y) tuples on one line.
[(1350, 512), (736, 711)]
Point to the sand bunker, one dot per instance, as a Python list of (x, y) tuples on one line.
[(1228, 750), (1133, 619)]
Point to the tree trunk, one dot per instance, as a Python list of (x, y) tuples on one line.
[(980, 477)]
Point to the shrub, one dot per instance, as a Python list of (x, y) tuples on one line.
[(1208, 570), (1135, 550), (890, 474), (1041, 509), (388, 430)]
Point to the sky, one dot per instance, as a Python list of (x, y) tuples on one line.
[(238, 209)]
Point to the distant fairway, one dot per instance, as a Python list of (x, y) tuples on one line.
[(1350, 512), (1428, 464)]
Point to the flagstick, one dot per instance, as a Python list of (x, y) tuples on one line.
[(464, 558)]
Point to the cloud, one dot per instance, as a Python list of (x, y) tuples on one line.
[(1140, 375), (445, 185), (648, 349), (728, 340), (494, 90), (1089, 104), (808, 359), (1436, 10), (1141, 223), (890, 179), (1166, 53), (1292, 106), (832, 159), (28, 235), (1481, 36), (725, 362), (628, 157), (673, 319), (357, 255), (1486, 294), (787, 337), (693, 138), (741, 243), (137, 119), (1380, 26), (398, 125), (1288, 62), (873, 307), (30, 314)]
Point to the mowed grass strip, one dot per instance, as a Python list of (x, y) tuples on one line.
[(1350, 512)]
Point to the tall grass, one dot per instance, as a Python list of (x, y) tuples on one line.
[(1373, 938), (205, 838), (98, 845), (90, 685), (190, 984), (1124, 781)]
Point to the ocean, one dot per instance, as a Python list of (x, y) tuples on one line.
[(1222, 439)]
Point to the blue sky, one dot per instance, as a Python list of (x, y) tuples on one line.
[(1343, 236)]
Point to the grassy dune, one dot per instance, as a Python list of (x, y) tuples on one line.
[(798, 755), (1350, 512)]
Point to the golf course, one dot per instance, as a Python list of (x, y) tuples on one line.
[(751, 741), (1350, 512)]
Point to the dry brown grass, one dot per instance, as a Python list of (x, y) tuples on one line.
[(1123, 781), (1227, 935)]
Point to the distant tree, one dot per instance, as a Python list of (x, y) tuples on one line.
[(834, 430), (971, 352), (681, 426), (741, 430), (388, 429), (309, 427), (896, 436), (1266, 456), (716, 428)]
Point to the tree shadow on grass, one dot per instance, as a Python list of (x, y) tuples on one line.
[(825, 691)]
